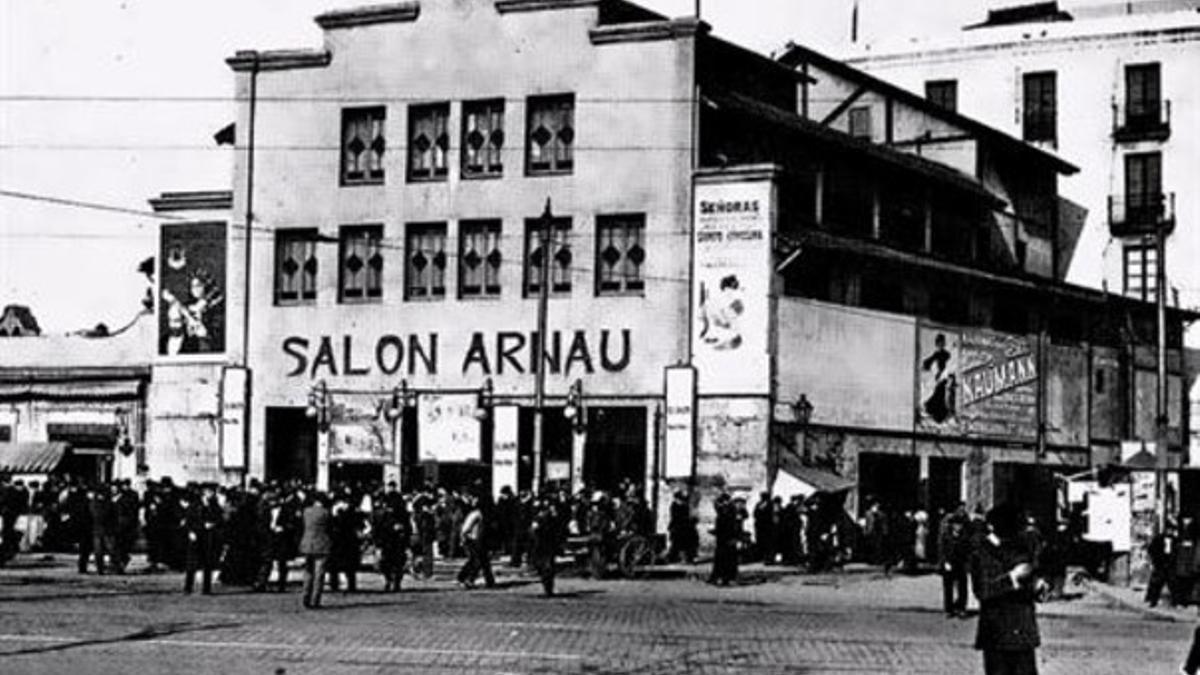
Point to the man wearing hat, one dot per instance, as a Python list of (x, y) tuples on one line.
[(1002, 576)]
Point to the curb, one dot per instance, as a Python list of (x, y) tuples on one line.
[(1120, 597)]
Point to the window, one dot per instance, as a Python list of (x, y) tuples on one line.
[(1040, 123), (860, 122), (1143, 187), (479, 259), (426, 269), (1141, 271), (360, 263), (942, 93), (560, 256), (482, 138), (551, 134), (1099, 379), (6, 434), (428, 141), (295, 266), (1143, 95), (620, 253), (362, 145)]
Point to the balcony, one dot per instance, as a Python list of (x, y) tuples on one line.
[(1145, 121), (1141, 214)]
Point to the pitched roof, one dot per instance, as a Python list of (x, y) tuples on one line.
[(796, 54)]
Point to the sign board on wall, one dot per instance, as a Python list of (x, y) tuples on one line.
[(504, 448), (234, 382), (977, 383), (448, 429), (191, 317), (732, 274), (359, 436), (680, 421)]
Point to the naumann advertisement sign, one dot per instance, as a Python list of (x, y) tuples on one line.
[(977, 383)]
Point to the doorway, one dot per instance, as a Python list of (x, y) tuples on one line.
[(291, 446), (615, 453), (892, 480)]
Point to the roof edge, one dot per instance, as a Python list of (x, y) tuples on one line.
[(648, 31), (199, 200), (507, 6), (247, 60)]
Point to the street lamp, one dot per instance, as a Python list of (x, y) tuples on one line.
[(320, 406), (575, 410), (483, 405), (539, 384)]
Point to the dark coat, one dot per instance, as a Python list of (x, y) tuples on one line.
[(316, 540), (1007, 621)]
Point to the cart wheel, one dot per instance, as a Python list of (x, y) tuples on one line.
[(636, 555)]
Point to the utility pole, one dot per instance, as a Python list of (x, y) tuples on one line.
[(539, 392), (1162, 400)]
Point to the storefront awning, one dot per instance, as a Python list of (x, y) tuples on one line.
[(31, 457), (83, 389), (819, 480)]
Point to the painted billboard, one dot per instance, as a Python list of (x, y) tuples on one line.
[(977, 383), (191, 318), (732, 286), (359, 435)]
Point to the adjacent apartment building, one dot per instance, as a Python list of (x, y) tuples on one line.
[(1111, 86)]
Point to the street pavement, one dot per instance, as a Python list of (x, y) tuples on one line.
[(53, 620)]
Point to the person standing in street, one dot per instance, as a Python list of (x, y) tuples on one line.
[(474, 541), (681, 529), (103, 520), (315, 544), (954, 549), (392, 534), (1163, 550), (545, 541), (765, 528), (1003, 581), (202, 520), (126, 506), (727, 530)]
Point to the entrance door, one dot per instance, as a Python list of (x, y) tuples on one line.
[(291, 445), (1030, 487), (557, 441), (616, 448), (893, 480), (945, 485)]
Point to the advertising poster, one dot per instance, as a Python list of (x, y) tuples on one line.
[(448, 429), (359, 436), (977, 383), (680, 421), (504, 448), (732, 286), (191, 315)]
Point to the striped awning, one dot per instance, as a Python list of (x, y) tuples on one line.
[(31, 457)]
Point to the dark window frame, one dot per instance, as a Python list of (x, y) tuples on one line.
[(369, 176), (493, 141), (284, 238), (624, 280), (368, 292), (942, 93), (489, 228), (1039, 106), (855, 117), (422, 171), (1143, 94), (549, 105), (560, 239), (429, 291)]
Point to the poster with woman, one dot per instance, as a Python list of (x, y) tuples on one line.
[(191, 314)]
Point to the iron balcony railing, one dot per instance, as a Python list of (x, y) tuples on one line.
[(1140, 214), (1141, 121)]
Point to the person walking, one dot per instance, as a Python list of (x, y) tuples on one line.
[(474, 541), (1003, 581), (345, 555), (1163, 550), (103, 520), (544, 535), (954, 549), (315, 545), (392, 536), (727, 530), (277, 529), (681, 529), (202, 520), (126, 506)]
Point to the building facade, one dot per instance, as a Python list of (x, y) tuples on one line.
[(1110, 87), (744, 292)]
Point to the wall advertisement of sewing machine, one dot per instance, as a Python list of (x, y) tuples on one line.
[(191, 314)]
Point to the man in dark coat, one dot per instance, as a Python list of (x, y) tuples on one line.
[(315, 544), (392, 533), (202, 520), (1163, 550), (345, 556), (78, 523), (727, 530), (104, 524), (545, 540), (954, 552), (126, 505), (681, 529), (1002, 578), (277, 526), (765, 528)]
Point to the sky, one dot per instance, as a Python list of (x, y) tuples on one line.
[(90, 111)]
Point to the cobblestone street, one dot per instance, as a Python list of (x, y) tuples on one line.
[(52, 621)]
